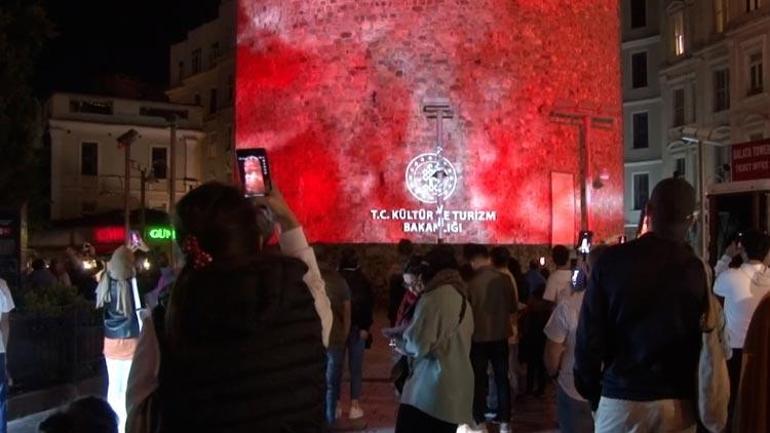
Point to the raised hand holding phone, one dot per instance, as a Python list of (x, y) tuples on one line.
[(254, 172)]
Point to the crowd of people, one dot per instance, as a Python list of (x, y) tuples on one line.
[(250, 336)]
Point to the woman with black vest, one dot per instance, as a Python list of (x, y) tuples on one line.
[(241, 341)]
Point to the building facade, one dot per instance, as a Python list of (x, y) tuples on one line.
[(642, 105), (202, 73), (712, 88), (88, 167)]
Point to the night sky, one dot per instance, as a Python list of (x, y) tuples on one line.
[(98, 38)]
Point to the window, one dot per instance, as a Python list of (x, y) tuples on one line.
[(89, 159), (719, 15), (756, 74), (180, 69), (159, 162), (681, 168), (214, 53), (213, 101), (163, 112), (641, 130), (91, 107), (678, 25), (638, 13), (721, 89), (641, 190), (196, 61), (752, 5), (678, 107), (639, 70)]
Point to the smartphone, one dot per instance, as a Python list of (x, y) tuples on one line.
[(254, 172), (584, 242), (622, 239), (578, 280)]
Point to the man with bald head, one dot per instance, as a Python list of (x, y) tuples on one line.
[(638, 338)]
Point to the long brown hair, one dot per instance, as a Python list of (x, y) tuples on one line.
[(222, 293)]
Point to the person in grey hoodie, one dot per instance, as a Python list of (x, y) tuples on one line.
[(438, 396), (742, 289)]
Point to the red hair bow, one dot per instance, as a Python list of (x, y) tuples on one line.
[(200, 258)]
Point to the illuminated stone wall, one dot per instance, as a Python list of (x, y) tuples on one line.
[(334, 90)]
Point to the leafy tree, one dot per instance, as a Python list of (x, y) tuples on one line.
[(24, 29)]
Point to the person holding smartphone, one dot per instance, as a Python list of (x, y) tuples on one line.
[(438, 395), (573, 411), (241, 343)]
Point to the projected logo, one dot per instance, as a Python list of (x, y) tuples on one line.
[(430, 176)]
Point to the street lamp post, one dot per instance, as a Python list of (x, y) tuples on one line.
[(699, 145), (440, 111), (172, 176), (586, 120), (125, 141)]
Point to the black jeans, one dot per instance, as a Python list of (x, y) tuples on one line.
[(734, 366), (483, 354), (412, 420)]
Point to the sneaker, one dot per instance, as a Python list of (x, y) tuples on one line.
[(356, 412), (505, 427)]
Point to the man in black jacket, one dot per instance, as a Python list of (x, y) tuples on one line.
[(638, 338)]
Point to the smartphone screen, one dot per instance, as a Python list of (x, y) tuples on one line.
[(584, 244), (254, 171), (578, 280)]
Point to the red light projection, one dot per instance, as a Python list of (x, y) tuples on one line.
[(336, 92)]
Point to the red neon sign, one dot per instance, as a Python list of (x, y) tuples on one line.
[(109, 235)]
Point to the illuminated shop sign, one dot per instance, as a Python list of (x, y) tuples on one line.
[(161, 233), (109, 234)]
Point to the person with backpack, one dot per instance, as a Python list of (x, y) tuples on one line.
[(241, 344), (438, 395), (115, 294)]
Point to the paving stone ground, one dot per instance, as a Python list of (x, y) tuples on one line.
[(530, 414)]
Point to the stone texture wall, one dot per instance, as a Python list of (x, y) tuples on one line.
[(335, 88)]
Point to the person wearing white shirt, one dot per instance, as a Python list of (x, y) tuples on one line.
[(573, 411), (6, 305), (558, 285), (742, 289)]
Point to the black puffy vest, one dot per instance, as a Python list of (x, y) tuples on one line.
[(266, 377)]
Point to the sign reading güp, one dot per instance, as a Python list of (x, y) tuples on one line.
[(161, 233)]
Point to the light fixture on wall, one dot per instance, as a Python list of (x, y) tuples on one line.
[(601, 178)]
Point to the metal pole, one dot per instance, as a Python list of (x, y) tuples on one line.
[(127, 193), (142, 200), (585, 126), (702, 194), (172, 179), (440, 195)]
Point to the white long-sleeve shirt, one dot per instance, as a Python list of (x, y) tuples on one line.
[(143, 378)]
